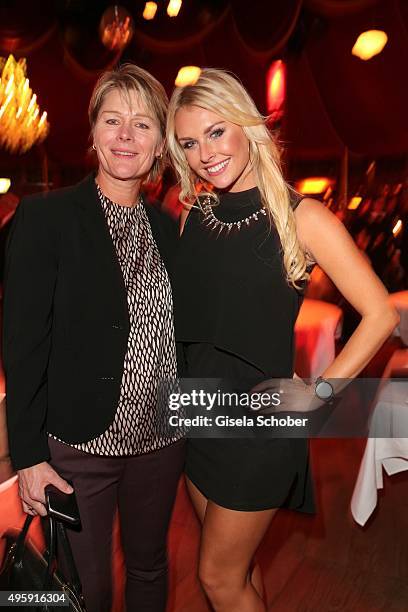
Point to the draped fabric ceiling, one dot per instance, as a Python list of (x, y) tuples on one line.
[(333, 98)]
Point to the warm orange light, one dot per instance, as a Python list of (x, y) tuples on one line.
[(116, 28), (188, 75), (276, 83), (328, 193), (313, 185), (397, 228), (20, 123), (354, 203), (173, 8), (371, 167), (4, 185), (150, 10), (276, 88), (369, 44)]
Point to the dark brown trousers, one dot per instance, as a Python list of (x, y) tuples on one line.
[(142, 488)]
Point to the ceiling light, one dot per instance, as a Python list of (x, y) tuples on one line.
[(369, 44), (397, 228), (150, 10), (21, 125), (354, 203), (173, 8), (4, 185), (188, 75), (313, 185)]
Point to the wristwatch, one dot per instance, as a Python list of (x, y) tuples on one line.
[(323, 389)]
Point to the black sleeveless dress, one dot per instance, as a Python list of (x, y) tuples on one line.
[(235, 316)]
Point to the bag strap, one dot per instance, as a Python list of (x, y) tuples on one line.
[(18, 555), (50, 545), (69, 559), (55, 529), (50, 540)]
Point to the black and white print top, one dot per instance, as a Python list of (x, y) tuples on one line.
[(151, 352)]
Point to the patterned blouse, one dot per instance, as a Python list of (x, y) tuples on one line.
[(151, 353)]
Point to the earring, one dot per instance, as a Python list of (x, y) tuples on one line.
[(160, 156), (93, 147)]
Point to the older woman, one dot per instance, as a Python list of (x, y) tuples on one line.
[(88, 334)]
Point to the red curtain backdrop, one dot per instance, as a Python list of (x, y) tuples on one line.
[(333, 98)]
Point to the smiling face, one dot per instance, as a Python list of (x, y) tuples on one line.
[(216, 150), (126, 137)]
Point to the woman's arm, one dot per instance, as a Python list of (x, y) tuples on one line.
[(330, 245), (30, 279)]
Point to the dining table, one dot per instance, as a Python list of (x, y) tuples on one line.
[(386, 448)]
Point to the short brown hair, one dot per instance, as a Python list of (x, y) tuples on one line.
[(129, 77)]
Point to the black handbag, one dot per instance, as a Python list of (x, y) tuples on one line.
[(26, 569)]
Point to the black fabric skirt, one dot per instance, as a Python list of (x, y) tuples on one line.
[(245, 474)]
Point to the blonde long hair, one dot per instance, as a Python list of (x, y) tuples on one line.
[(220, 92)]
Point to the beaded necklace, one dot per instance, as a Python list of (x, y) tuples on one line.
[(213, 222)]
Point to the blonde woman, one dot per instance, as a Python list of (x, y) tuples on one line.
[(244, 257)]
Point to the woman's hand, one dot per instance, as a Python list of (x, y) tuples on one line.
[(294, 395), (31, 484)]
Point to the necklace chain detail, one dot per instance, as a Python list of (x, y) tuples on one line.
[(213, 223)]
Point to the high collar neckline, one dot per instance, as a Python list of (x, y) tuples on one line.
[(240, 199)]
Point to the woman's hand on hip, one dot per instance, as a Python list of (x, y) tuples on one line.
[(288, 395), (31, 484)]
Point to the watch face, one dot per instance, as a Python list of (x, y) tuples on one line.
[(324, 390)]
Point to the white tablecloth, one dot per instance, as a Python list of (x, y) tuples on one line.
[(400, 301), (318, 325), (390, 417)]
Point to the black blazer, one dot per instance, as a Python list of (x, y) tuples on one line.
[(65, 319)]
